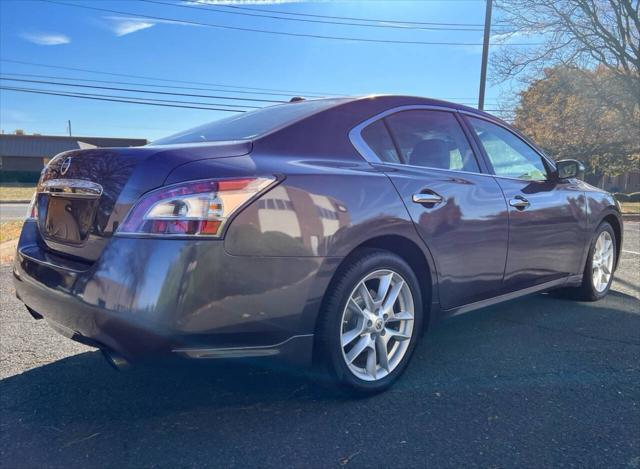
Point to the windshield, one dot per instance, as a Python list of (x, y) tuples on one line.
[(250, 124)]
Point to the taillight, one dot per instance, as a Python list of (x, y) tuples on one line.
[(195, 208), (32, 210)]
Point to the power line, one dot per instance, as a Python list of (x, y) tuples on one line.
[(155, 100), (135, 90), (215, 9), (143, 77), (114, 99), (149, 85), (148, 102), (347, 18), (281, 33), (466, 100)]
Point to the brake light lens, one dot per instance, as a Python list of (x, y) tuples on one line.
[(32, 210), (195, 208)]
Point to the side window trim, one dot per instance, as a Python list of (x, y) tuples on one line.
[(392, 136), (478, 152), (369, 155), (546, 161)]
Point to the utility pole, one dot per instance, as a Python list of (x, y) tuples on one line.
[(69, 126), (485, 53)]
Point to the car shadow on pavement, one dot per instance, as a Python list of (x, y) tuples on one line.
[(60, 413)]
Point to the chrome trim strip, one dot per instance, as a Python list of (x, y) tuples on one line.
[(412, 166), (426, 198), (369, 155), (358, 142), (238, 352), (75, 188)]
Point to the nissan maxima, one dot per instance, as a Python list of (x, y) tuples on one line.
[(329, 232)]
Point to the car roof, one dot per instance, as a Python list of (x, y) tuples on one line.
[(308, 134), (396, 100)]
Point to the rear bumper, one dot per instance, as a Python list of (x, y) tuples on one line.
[(148, 298)]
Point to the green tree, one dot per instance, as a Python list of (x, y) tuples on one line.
[(585, 115)]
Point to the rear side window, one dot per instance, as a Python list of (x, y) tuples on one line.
[(379, 140), (432, 139), (249, 125)]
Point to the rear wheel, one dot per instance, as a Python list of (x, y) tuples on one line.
[(371, 321)]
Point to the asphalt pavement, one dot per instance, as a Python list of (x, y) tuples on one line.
[(536, 382), (10, 212)]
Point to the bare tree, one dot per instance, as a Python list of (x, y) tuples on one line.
[(582, 34)]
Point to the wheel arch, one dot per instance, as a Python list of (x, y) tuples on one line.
[(406, 249), (617, 230)]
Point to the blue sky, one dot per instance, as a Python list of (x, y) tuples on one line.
[(121, 43)]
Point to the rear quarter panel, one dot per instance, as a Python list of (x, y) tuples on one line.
[(322, 210)]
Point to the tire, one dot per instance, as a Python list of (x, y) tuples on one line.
[(588, 290), (347, 325)]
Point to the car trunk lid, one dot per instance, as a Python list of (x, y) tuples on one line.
[(83, 195)]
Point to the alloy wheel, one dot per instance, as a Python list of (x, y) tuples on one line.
[(377, 325), (602, 262)]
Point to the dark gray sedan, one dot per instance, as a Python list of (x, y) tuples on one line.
[(330, 232)]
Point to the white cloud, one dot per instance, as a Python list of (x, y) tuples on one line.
[(123, 25), (46, 39)]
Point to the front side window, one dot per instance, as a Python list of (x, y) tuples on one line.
[(510, 156), (432, 139)]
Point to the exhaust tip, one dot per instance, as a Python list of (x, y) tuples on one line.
[(115, 360)]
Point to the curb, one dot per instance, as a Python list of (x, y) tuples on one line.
[(631, 217), (15, 202)]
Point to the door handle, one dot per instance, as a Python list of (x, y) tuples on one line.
[(427, 198), (519, 202)]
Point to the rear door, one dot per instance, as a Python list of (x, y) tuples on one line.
[(459, 211), (547, 216)]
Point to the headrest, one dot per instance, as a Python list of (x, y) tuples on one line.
[(433, 153)]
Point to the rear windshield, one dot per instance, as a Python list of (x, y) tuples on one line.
[(249, 125)]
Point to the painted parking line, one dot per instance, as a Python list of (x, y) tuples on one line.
[(631, 252)]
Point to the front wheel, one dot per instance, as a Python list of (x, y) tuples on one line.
[(598, 271), (371, 321)]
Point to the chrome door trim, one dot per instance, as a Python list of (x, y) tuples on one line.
[(426, 198), (73, 188), (519, 202), (412, 166), (361, 146), (355, 136)]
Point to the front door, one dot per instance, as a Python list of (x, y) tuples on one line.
[(459, 212), (547, 216)]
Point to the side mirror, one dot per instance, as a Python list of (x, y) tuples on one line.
[(568, 169)]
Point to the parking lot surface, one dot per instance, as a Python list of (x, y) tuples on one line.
[(10, 212), (536, 382)]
